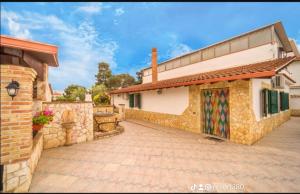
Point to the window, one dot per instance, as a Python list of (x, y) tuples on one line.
[(284, 101), (135, 100), (273, 101)]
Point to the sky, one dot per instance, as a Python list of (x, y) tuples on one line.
[(122, 34)]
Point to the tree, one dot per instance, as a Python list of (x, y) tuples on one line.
[(120, 80), (139, 76), (99, 94), (104, 73), (74, 91)]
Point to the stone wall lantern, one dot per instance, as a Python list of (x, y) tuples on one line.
[(13, 88)]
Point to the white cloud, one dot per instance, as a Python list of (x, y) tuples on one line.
[(119, 11), (81, 47), (91, 8), (16, 29), (178, 49)]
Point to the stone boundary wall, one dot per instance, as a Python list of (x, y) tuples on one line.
[(295, 112), (103, 108), (244, 128), (264, 126), (55, 133), (18, 176)]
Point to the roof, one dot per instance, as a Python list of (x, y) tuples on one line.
[(255, 70), (278, 27), (44, 52)]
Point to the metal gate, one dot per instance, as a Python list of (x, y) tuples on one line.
[(216, 112)]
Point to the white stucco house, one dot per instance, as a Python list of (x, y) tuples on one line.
[(238, 89)]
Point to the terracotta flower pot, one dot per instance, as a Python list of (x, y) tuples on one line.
[(37, 127)]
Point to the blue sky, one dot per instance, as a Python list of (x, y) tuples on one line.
[(123, 34)]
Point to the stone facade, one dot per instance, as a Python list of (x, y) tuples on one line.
[(18, 176), (55, 133), (103, 108), (16, 114), (244, 128)]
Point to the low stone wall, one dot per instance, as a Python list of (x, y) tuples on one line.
[(295, 112), (103, 108), (18, 176), (264, 126), (55, 134), (105, 118)]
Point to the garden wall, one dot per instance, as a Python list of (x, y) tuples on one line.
[(55, 133), (18, 176)]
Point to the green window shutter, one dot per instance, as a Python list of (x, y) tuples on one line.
[(131, 100), (269, 92), (286, 101), (264, 102), (273, 101), (282, 101), (138, 98)]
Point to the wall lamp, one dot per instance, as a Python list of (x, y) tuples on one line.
[(13, 88)]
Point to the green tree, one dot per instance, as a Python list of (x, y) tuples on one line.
[(139, 76), (104, 73), (100, 95), (120, 80), (74, 91)]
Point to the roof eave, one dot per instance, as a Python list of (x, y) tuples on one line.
[(31, 46)]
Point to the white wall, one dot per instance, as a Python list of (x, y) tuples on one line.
[(257, 54), (170, 101), (294, 68), (256, 89), (117, 99)]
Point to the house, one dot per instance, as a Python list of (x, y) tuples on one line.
[(237, 89), (24, 64), (56, 94)]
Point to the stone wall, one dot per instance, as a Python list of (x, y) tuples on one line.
[(55, 134), (104, 108), (18, 176), (244, 128), (16, 114)]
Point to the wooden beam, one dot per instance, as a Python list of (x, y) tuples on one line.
[(36, 65)]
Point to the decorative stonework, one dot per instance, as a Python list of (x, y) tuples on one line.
[(18, 176), (244, 128), (55, 133), (103, 108)]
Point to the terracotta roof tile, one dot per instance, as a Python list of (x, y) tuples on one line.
[(255, 70)]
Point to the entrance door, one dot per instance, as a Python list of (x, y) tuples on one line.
[(216, 112)]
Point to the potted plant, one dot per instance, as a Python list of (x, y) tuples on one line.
[(40, 119)]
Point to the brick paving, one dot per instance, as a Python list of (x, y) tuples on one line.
[(149, 158)]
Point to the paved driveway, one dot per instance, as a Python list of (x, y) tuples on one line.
[(154, 159)]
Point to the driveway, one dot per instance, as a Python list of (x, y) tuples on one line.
[(149, 158)]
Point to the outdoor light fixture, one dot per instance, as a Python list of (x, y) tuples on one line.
[(13, 88)]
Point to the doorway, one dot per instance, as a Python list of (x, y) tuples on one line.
[(215, 112)]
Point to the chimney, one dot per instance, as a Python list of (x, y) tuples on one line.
[(154, 65)]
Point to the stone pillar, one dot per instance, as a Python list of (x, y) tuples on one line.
[(16, 124)]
